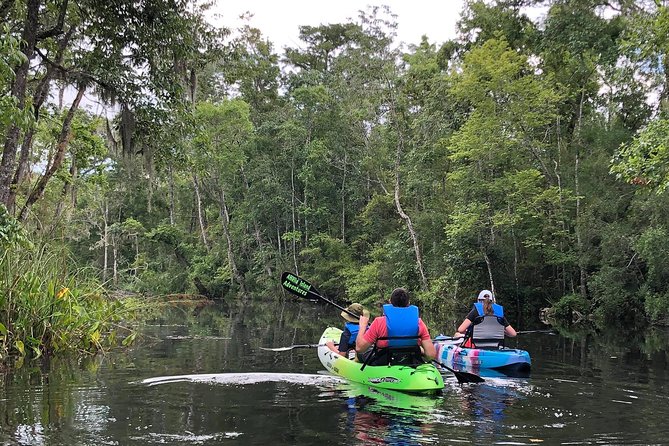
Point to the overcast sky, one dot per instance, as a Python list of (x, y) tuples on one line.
[(279, 20)]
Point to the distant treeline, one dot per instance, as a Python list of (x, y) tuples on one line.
[(528, 156)]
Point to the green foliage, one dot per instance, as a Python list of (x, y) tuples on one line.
[(50, 307), (10, 57), (497, 145), (571, 307), (614, 298), (12, 234), (363, 285), (645, 160), (653, 250), (325, 260)]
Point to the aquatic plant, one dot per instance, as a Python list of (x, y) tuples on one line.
[(49, 306)]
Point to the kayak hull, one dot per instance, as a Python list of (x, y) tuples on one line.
[(508, 361), (424, 378)]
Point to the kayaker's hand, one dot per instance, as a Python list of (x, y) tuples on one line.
[(364, 321), (458, 335)]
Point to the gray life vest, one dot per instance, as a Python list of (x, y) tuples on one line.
[(488, 330)]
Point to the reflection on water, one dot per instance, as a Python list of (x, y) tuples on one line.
[(487, 405), (388, 417), (199, 377)]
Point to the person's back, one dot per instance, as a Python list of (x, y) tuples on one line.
[(402, 324), (485, 326)]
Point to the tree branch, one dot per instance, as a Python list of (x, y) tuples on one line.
[(58, 29), (75, 75)]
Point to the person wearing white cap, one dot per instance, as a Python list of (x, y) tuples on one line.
[(485, 325)]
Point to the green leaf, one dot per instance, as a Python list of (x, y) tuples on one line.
[(20, 347), (129, 339)]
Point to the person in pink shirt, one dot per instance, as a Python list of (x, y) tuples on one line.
[(400, 323)]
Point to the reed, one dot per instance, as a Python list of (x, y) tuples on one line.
[(48, 306)]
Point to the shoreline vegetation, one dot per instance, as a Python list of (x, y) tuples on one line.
[(48, 306), (526, 156)]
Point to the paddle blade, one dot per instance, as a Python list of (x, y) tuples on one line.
[(462, 377), (285, 349), (298, 286)]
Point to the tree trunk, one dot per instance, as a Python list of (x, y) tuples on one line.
[(200, 217), (136, 267), (18, 91), (343, 203), (292, 187), (412, 232), (579, 241), (171, 182), (58, 157), (489, 266), (105, 242), (68, 190), (225, 219), (664, 94), (403, 215), (115, 254), (40, 95), (256, 229)]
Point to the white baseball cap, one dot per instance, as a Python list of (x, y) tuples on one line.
[(486, 294)]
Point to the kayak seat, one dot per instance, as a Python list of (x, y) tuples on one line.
[(408, 355), (486, 332)]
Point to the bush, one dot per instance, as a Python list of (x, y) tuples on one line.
[(570, 305), (48, 307)]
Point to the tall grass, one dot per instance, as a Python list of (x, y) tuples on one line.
[(47, 306)]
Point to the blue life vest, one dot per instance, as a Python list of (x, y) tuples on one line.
[(401, 321), (497, 310), (354, 329)]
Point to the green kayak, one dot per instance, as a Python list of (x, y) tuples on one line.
[(424, 378)]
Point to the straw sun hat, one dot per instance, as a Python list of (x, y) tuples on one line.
[(356, 309)]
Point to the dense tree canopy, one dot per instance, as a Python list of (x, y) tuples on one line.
[(527, 155)]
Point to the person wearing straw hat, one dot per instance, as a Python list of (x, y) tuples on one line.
[(485, 325), (351, 329)]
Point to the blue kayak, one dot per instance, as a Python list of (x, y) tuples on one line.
[(508, 361)]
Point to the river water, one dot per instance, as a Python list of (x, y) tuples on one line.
[(198, 377)]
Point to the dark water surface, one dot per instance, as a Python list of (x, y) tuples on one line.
[(199, 378)]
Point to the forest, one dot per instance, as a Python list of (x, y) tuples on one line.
[(529, 156)]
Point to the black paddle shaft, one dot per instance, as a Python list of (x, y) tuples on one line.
[(304, 289)]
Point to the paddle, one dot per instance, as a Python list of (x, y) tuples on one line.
[(285, 349), (290, 347), (462, 377), (302, 288), (548, 331)]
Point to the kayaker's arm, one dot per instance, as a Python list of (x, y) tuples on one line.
[(510, 331), (462, 329), (361, 345), (428, 349), (331, 346)]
